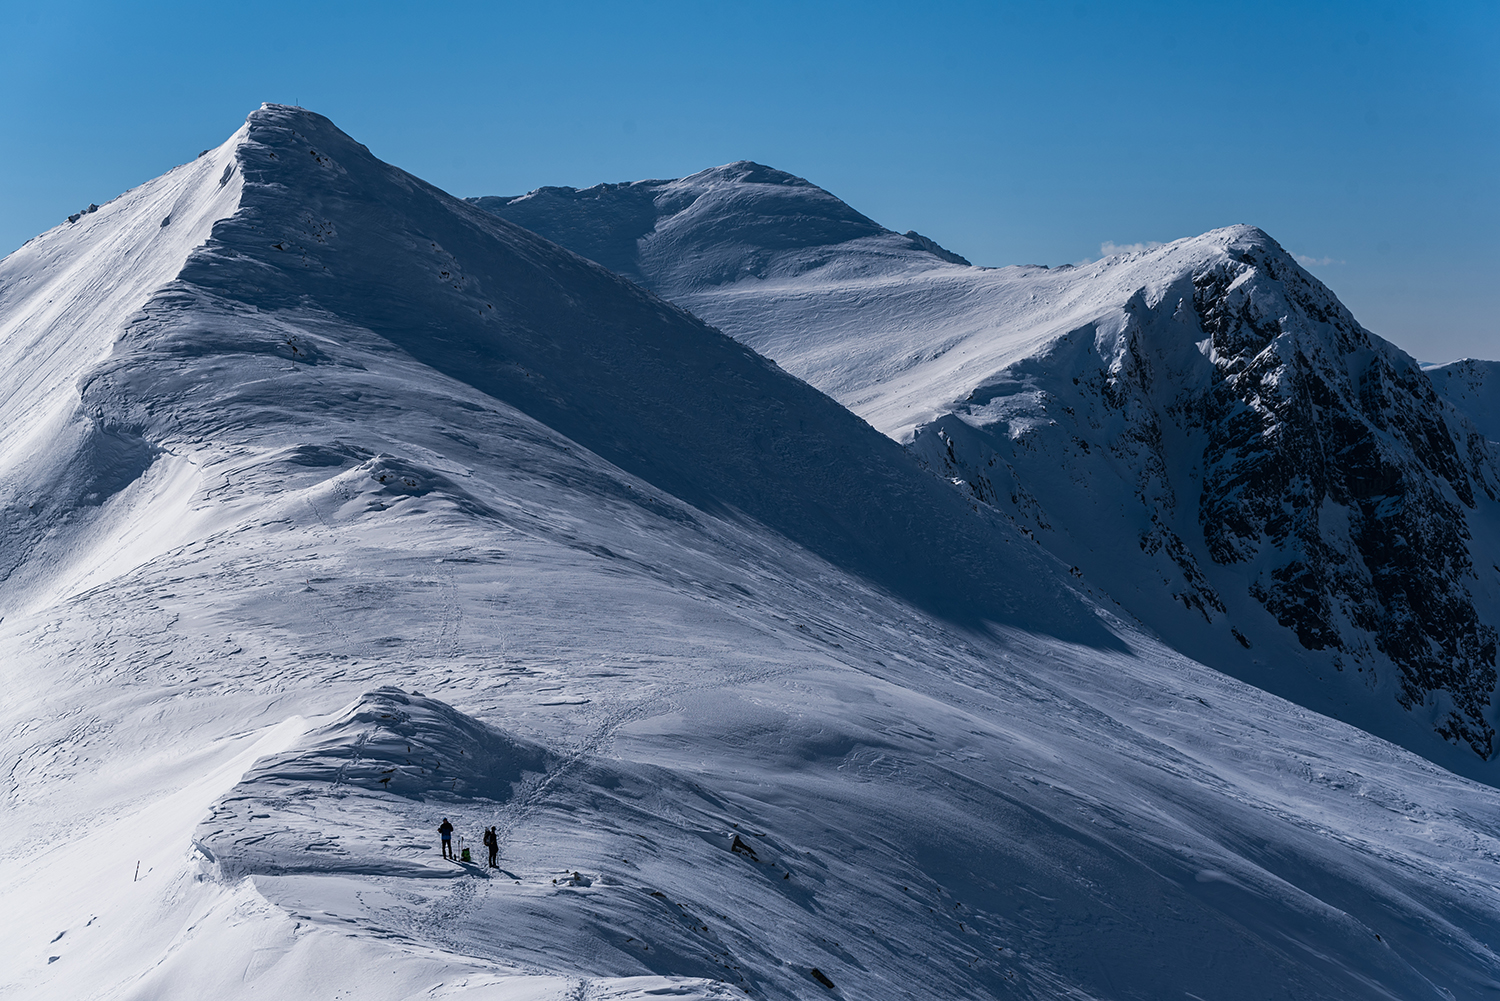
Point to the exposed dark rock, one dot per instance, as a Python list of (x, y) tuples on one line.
[(1307, 410), (740, 848), (1324, 470)]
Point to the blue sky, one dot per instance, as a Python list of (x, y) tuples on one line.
[(1363, 136)]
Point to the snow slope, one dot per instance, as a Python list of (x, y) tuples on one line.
[(1473, 388), (64, 300), (588, 572), (1201, 431)]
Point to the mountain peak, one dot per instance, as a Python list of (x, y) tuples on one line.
[(748, 172), (1241, 234), (276, 125), (1221, 343), (735, 222)]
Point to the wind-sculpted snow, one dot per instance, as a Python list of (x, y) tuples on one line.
[(864, 860), (789, 707), (1202, 431), (618, 371), (64, 298)]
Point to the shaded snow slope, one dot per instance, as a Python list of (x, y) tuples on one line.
[(541, 575), (1202, 431), (620, 372), (397, 746)]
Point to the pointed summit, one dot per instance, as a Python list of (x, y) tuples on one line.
[(326, 247), (747, 172)]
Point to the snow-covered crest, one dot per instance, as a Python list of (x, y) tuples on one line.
[(65, 298), (1278, 451)]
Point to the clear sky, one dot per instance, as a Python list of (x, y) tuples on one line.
[(1365, 137)]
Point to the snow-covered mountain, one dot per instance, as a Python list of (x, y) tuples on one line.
[(335, 506), (742, 220), (1202, 431)]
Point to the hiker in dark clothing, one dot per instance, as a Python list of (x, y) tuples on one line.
[(492, 842), (446, 830)]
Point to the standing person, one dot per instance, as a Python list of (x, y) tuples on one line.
[(492, 842), (446, 830)]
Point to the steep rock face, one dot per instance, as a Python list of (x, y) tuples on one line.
[(1272, 447), (1308, 411)]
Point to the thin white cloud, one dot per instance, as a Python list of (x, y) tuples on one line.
[(1109, 248), (1309, 261)]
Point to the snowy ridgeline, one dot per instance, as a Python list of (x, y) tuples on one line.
[(1201, 431), (783, 700)]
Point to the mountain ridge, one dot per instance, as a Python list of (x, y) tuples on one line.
[(365, 545), (932, 353), (582, 379)]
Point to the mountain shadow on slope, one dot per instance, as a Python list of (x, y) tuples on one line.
[(323, 224)]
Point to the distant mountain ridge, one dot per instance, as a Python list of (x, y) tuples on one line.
[(1202, 430), (723, 224)]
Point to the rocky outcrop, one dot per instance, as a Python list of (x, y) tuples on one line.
[(1268, 444), (1202, 431)]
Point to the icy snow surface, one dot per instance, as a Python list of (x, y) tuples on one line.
[(366, 509)]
